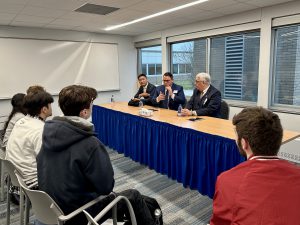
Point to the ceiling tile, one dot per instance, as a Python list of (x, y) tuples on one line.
[(10, 8), (236, 8), (152, 6), (27, 24), (260, 3), (33, 19), (44, 12), (56, 4), (7, 16)]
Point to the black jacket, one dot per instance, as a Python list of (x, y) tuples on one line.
[(73, 165), (148, 100), (208, 105)]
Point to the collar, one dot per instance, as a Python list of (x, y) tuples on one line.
[(145, 87), (263, 157), (205, 90)]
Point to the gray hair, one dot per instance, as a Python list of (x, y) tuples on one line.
[(203, 76)]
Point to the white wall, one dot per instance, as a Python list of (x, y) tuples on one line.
[(255, 19), (127, 60)]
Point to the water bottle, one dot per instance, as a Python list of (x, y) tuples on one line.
[(141, 104), (179, 110), (112, 99)]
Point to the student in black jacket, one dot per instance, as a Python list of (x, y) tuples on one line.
[(73, 165), (145, 92), (206, 99)]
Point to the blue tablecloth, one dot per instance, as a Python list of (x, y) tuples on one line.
[(193, 158)]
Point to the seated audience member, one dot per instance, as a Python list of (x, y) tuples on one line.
[(206, 99), (17, 113), (25, 140), (34, 89), (169, 95), (264, 189), (73, 165), (145, 92)]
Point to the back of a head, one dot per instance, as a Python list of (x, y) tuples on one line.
[(74, 98), (261, 128), (17, 102), (35, 101), (34, 89)]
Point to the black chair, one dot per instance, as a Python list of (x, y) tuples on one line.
[(224, 110)]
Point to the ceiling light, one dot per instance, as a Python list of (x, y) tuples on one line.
[(155, 15)]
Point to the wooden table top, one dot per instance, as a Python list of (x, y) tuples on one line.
[(207, 124)]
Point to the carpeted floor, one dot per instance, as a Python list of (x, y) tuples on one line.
[(180, 205)]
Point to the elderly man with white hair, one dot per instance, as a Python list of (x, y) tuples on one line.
[(206, 99)]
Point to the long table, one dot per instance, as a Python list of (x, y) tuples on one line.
[(193, 153)]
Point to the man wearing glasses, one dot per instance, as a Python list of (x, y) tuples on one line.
[(169, 95), (206, 99)]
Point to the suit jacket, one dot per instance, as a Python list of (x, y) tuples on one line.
[(208, 105), (179, 97), (148, 100), (264, 192)]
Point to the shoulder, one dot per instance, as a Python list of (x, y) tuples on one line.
[(151, 85), (160, 87), (178, 87), (213, 89)]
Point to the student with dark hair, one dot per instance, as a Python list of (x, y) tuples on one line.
[(264, 189), (169, 95), (18, 112), (73, 165), (34, 89), (145, 92), (25, 140)]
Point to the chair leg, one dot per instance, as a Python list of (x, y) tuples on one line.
[(114, 215), (27, 208), (2, 181), (21, 207), (8, 202)]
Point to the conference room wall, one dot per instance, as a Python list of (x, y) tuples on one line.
[(255, 19), (126, 54)]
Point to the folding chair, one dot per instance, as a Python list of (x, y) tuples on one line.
[(112, 206), (12, 179), (45, 208)]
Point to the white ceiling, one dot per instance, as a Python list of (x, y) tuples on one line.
[(59, 14)]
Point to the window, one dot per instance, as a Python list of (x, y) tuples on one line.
[(188, 59), (150, 64), (286, 67), (234, 64)]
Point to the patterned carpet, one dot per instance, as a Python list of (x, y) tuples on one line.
[(180, 206)]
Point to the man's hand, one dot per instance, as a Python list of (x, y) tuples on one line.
[(186, 112), (145, 95), (169, 89), (160, 97), (136, 99)]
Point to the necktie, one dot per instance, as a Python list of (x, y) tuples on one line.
[(201, 95), (167, 99)]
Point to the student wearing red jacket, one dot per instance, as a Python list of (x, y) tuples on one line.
[(264, 190)]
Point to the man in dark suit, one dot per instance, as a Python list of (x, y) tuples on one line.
[(145, 92), (206, 99), (169, 95)]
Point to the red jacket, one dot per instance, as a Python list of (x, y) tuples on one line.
[(258, 192)]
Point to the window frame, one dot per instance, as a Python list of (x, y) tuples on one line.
[(277, 107)]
